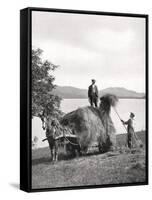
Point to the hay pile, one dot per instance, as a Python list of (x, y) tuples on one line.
[(93, 126)]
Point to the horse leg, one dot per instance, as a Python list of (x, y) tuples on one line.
[(56, 152), (78, 150), (51, 150)]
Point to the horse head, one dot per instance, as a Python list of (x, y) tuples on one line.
[(46, 122)]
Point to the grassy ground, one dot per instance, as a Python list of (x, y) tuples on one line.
[(93, 169)]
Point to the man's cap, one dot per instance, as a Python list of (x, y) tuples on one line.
[(132, 114)]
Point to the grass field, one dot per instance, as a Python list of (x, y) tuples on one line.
[(121, 166)]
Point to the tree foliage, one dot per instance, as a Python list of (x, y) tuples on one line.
[(43, 100)]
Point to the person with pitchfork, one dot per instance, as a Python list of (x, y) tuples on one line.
[(130, 129)]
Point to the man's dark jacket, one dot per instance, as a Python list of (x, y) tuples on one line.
[(91, 93)]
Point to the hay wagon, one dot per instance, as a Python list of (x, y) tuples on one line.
[(88, 128), (93, 127)]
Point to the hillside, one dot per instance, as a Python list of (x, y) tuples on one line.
[(122, 92), (121, 138), (93, 169), (68, 92)]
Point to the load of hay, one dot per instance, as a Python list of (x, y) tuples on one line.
[(93, 126)]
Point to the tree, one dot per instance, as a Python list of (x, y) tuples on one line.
[(43, 100)]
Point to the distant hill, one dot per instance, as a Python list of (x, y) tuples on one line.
[(122, 92), (68, 92)]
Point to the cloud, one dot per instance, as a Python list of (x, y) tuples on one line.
[(107, 40), (107, 48)]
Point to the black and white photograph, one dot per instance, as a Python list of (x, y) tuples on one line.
[(89, 96)]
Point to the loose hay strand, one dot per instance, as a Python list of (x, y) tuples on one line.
[(107, 101)]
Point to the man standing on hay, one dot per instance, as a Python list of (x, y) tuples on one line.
[(93, 94), (130, 129)]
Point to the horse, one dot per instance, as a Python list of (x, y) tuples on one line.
[(57, 134), (49, 126)]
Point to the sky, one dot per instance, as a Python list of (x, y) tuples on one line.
[(109, 49)]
